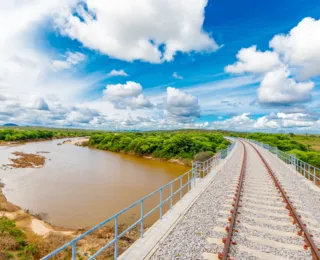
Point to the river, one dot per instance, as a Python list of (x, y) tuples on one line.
[(79, 187)]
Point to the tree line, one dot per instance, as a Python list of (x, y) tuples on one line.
[(166, 145), (10, 134)]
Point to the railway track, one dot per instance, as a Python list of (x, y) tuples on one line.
[(262, 222)]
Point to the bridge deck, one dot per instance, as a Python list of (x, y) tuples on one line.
[(193, 229)]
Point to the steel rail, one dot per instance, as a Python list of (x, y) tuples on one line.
[(230, 229), (290, 207)]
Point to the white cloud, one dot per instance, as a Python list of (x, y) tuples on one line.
[(296, 124), (254, 61), (300, 47), (294, 116), (181, 105), (35, 111), (278, 89), (240, 122), (271, 122), (71, 59), (128, 95), (292, 120), (82, 115), (176, 75), (113, 28), (295, 56), (265, 123), (129, 89), (114, 73), (141, 102)]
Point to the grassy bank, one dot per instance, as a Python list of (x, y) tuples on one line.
[(20, 243), (163, 145), (312, 141), (22, 236)]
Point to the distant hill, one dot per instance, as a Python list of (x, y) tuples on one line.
[(10, 124)]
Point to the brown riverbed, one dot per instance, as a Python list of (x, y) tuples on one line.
[(79, 187)]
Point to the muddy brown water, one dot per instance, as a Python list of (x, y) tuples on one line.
[(79, 187)]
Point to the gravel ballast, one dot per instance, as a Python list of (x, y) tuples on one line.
[(265, 229), (188, 240)]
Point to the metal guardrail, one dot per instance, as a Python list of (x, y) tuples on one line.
[(307, 170), (199, 170)]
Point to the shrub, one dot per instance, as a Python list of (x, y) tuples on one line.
[(203, 156)]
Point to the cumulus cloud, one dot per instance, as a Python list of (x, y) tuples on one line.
[(181, 105), (114, 73), (112, 28), (35, 111), (265, 123), (271, 122), (277, 88), (239, 122), (141, 101), (82, 115), (71, 59), (126, 95), (294, 59), (254, 61), (129, 89), (300, 47), (176, 75)]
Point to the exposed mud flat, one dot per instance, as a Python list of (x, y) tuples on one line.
[(27, 160), (78, 142)]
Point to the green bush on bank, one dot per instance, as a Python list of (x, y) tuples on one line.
[(160, 144)]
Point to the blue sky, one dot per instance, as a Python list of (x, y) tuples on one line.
[(247, 66)]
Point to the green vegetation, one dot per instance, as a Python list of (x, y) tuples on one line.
[(13, 241), (312, 141), (293, 144), (26, 134), (165, 145)]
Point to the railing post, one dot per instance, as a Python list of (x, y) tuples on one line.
[(142, 219), (161, 203), (180, 187), (308, 171), (188, 181), (74, 250), (115, 256), (171, 196), (314, 176), (194, 173), (304, 168), (206, 168)]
